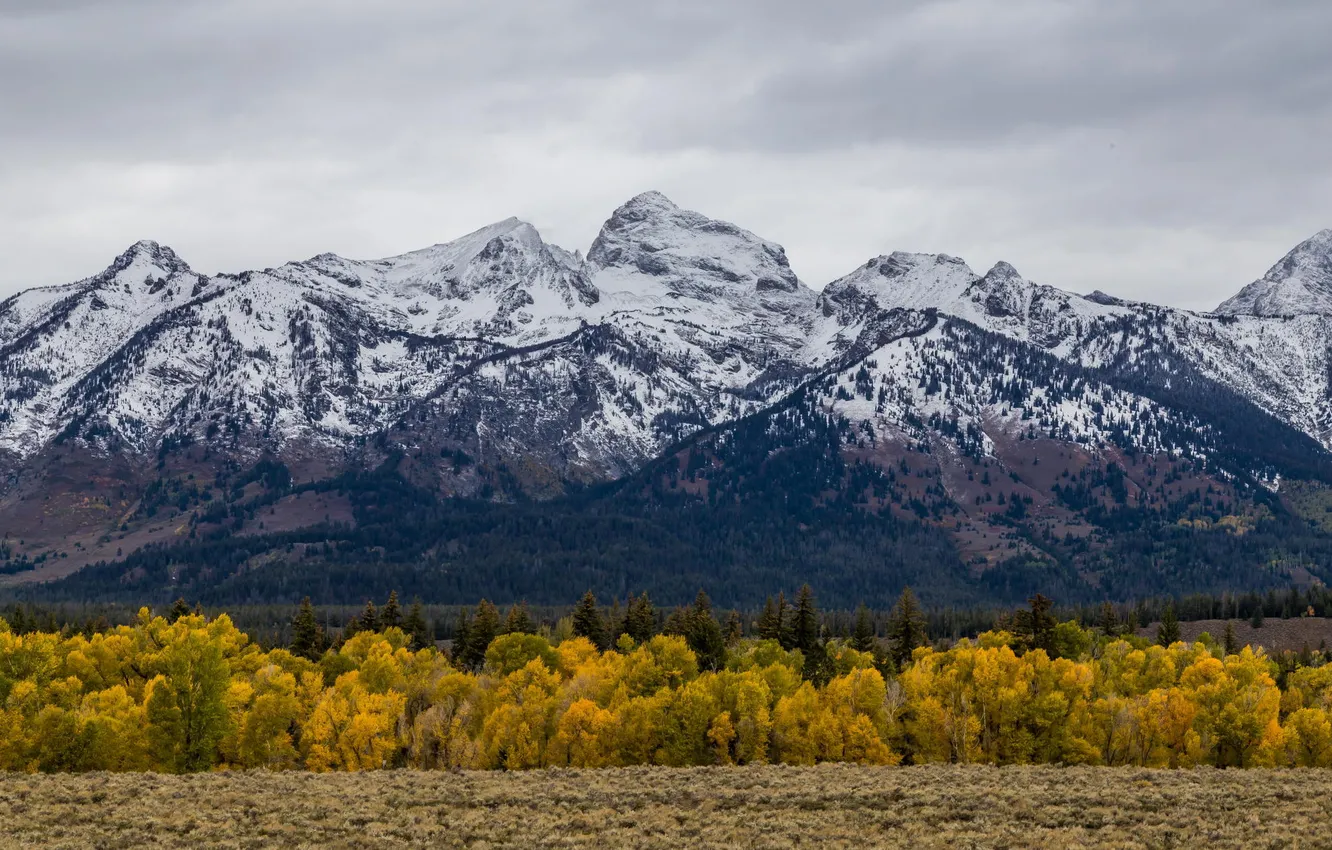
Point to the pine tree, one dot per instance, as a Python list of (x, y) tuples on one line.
[(1229, 642), (614, 621), (863, 637), (307, 639), (417, 629), (1109, 621), (640, 619), (1131, 624), (769, 625), (1035, 626), (179, 609), (734, 629), (775, 622), (484, 629), (462, 636), (369, 619), (704, 636), (1168, 632), (587, 621), (518, 620), (805, 628), (906, 628), (806, 631), (391, 616), (1257, 619)]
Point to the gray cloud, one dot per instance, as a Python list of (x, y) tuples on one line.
[(1158, 150)]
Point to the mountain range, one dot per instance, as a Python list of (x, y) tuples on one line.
[(978, 435)]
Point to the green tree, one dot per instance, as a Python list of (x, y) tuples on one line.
[(368, 621), (734, 629), (697, 625), (179, 609), (462, 636), (1035, 626), (1168, 632), (391, 616), (806, 632), (519, 621), (1257, 619), (1229, 642), (863, 637), (588, 622), (307, 639), (186, 708), (640, 619), (1109, 623), (417, 628), (805, 628), (485, 627), (906, 628), (775, 622)]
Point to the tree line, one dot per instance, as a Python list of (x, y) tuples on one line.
[(186, 692)]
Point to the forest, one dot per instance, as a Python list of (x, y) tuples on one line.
[(183, 692)]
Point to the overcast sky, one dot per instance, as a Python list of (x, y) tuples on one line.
[(1167, 150)]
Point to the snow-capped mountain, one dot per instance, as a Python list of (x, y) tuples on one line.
[(1280, 363), (1301, 284), (497, 343), (500, 365)]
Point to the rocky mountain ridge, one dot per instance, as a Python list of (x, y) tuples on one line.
[(503, 367)]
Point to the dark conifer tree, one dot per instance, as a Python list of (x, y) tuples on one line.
[(179, 609), (775, 623), (484, 629), (703, 634), (806, 634), (391, 616), (518, 620), (1230, 643), (906, 628), (805, 628), (640, 620), (863, 636), (734, 629), (417, 629), (588, 623), (307, 639), (462, 637), (769, 626), (1168, 632), (369, 618), (1109, 623)]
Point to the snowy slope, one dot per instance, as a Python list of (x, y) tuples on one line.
[(1300, 284), (555, 367), (1280, 363)]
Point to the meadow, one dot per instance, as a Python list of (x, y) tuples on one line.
[(832, 805)]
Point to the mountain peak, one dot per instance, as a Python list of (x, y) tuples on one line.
[(689, 252), (1002, 271), (149, 251), (143, 260), (1301, 284), (650, 200)]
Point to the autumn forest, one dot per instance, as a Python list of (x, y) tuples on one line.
[(183, 692)]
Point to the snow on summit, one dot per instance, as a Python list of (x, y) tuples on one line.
[(673, 321), (1300, 284)]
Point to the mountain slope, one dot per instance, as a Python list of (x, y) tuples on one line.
[(1301, 284), (681, 366)]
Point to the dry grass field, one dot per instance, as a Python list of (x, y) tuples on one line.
[(830, 806)]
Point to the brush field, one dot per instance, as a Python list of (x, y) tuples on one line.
[(828, 806)]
